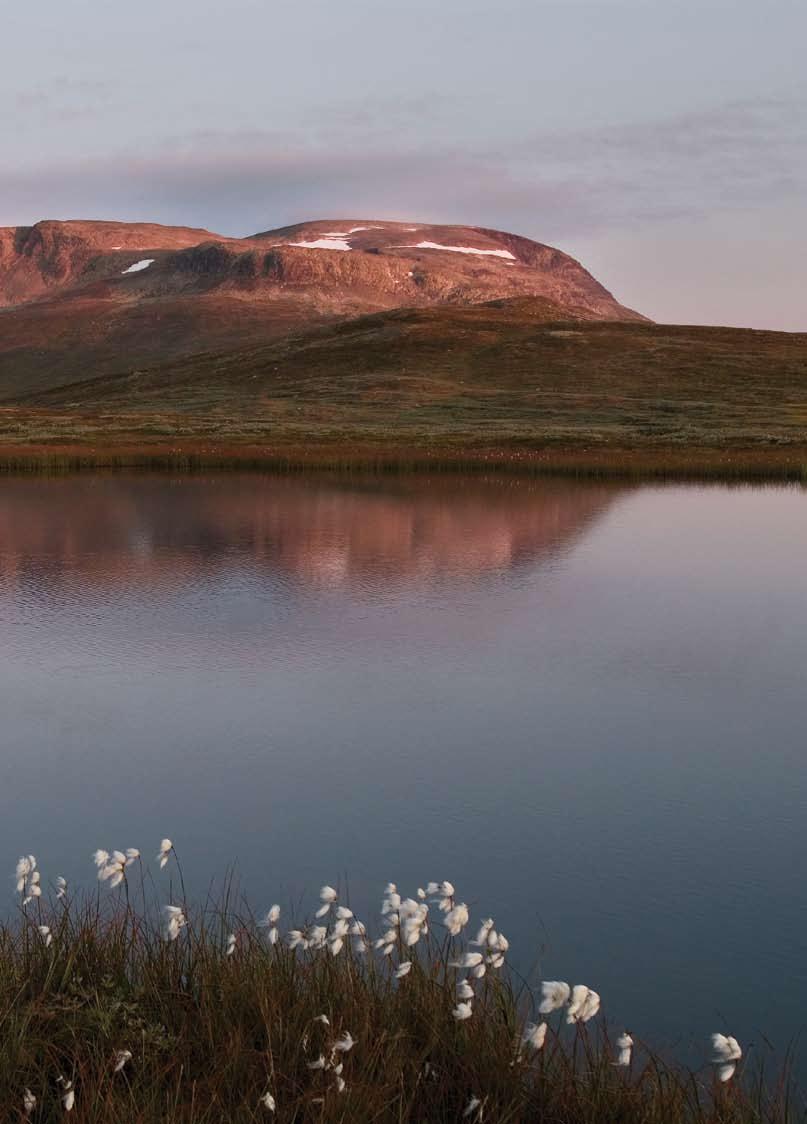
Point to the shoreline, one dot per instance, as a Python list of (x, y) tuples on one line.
[(750, 464)]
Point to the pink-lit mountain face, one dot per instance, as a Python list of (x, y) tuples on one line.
[(335, 263), (79, 299)]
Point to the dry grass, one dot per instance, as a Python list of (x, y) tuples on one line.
[(210, 1034), (454, 387)]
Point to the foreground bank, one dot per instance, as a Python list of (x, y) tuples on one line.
[(216, 1015)]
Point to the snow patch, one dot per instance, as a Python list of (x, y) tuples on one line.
[(139, 265), (461, 250), (329, 242), (333, 235)]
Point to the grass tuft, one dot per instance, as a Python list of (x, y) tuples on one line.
[(211, 1034)]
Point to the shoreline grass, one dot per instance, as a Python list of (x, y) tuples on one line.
[(695, 464), (217, 1017)]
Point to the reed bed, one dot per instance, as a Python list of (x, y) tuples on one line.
[(130, 1004), (637, 464)]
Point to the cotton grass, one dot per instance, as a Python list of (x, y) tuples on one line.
[(173, 1011)]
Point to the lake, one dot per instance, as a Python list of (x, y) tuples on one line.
[(583, 703)]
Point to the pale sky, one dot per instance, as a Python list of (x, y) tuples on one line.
[(662, 142)]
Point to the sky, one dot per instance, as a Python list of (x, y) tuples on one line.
[(661, 142)]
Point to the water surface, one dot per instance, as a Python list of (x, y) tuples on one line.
[(582, 703)]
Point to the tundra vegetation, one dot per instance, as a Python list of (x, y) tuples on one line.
[(130, 1003)]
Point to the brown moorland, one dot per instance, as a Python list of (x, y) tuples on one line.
[(502, 384), (509, 355)]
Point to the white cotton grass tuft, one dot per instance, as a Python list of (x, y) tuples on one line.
[(164, 853), (45, 934), (175, 921), (121, 1058), (319, 1063), (474, 1109), (534, 1035), (114, 870), (34, 887), (268, 1102), (232, 941), (68, 1094), (403, 969), (624, 1045), (481, 938), (727, 1052), (392, 900), (327, 896), (269, 922), (28, 1102), (467, 960), (358, 938), (443, 892), (345, 1043), (26, 865), (555, 995), (61, 887), (316, 937), (386, 942), (456, 919), (464, 990), (583, 1005), (340, 928), (463, 1011), (412, 917)]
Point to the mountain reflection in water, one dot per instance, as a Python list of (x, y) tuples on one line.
[(137, 530)]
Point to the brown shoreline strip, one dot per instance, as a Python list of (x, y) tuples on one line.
[(750, 464)]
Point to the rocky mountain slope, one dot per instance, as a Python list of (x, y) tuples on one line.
[(83, 299)]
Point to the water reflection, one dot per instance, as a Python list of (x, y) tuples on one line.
[(325, 534), (582, 704)]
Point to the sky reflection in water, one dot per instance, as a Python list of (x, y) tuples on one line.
[(583, 704)]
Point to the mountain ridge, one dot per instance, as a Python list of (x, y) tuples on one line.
[(416, 263), (81, 299)]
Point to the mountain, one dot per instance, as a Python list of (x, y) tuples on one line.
[(84, 299), (363, 342)]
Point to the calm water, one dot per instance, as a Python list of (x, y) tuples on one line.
[(584, 704)]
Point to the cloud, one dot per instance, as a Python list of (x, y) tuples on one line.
[(735, 155), (551, 186), (240, 184), (58, 100)]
